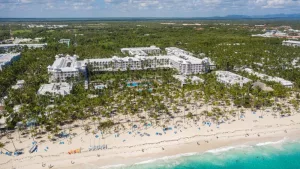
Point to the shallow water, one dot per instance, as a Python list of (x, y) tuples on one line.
[(281, 154)]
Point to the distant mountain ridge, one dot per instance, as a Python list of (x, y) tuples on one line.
[(271, 16)]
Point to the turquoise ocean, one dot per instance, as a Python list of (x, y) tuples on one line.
[(282, 154)]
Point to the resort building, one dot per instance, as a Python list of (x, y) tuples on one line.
[(62, 89), (19, 85), (265, 77), (142, 51), (230, 78), (65, 68), (7, 59), (129, 63), (187, 64), (291, 43), (176, 58)]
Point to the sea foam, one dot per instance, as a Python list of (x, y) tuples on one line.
[(166, 158), (272, 143), (224, 149)]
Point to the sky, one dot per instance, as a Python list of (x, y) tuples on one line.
[(143, 8)]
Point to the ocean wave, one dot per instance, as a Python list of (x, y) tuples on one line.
[(166, 158), (272, 143), (224, 149)]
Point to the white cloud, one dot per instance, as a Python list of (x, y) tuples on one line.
[(47, 4), (276, 3), (153, 7)]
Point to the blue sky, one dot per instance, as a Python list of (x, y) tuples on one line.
[(144, 8)]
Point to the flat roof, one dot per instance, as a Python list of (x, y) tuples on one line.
[(140, 48), (292, 41), (269, 78), (55, 88), (28, 45)]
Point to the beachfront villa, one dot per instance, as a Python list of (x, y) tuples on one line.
[(7, 58), (265, 77), (230, 78)]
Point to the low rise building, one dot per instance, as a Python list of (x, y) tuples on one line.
[(8, 58), (272, 33), (31, 46), (186, 79), (265, 77), (62, 89), (291, 43), (21, 40), (230, 78), (66, 41), (19, 84)]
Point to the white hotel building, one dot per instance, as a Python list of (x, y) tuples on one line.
[(65, 67), (176, 58), (141, 51), (183, 61)]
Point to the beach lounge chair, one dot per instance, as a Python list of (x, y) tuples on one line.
[(33, 148)]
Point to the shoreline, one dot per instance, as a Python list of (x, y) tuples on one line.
[(188, 149), (138, 150)]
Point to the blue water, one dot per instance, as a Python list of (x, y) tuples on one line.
[(133, 84), (272, 156)]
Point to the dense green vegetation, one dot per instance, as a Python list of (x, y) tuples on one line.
[(99, 40)]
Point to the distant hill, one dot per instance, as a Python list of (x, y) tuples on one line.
[(273, 16)]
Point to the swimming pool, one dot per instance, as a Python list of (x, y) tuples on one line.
[(132, 84)]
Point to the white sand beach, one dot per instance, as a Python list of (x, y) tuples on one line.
[(129, 146)]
